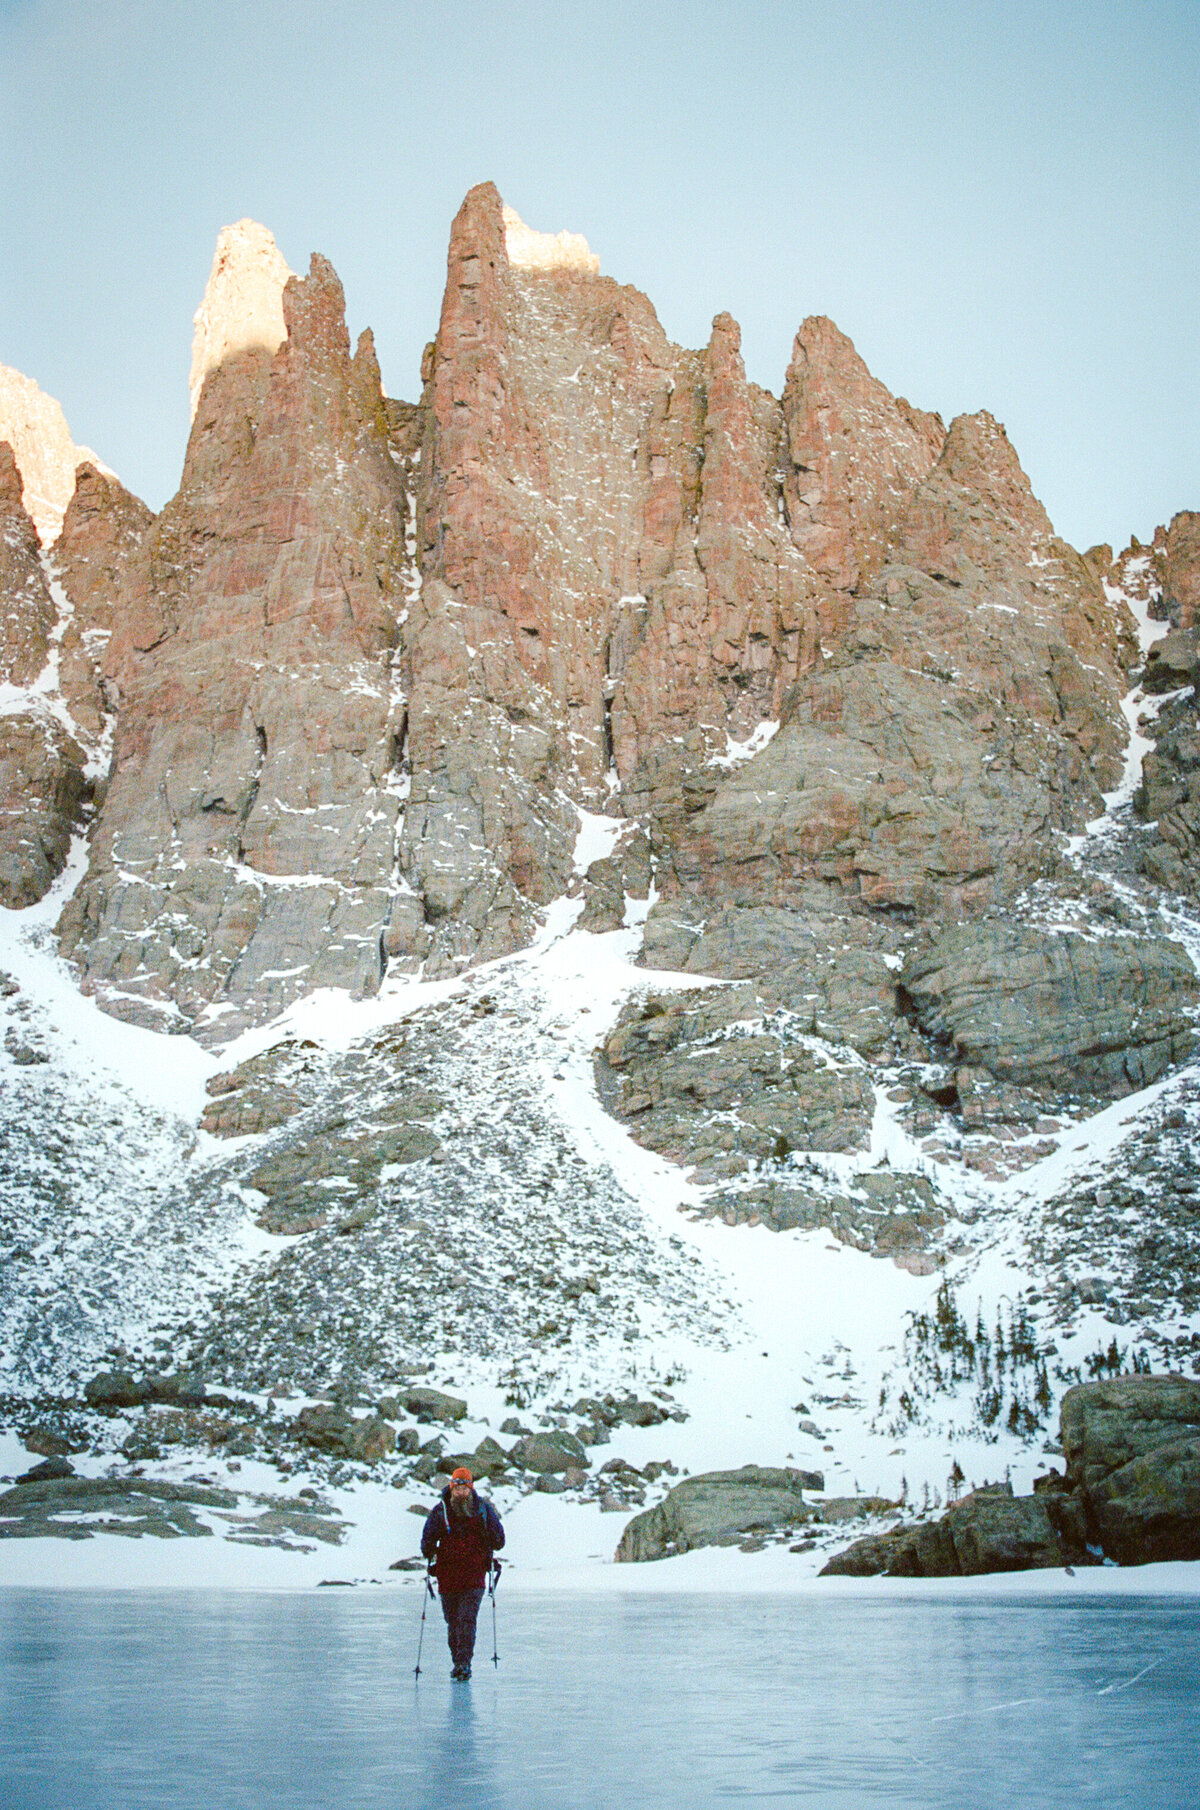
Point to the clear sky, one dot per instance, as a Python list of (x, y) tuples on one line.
[(998, 202)]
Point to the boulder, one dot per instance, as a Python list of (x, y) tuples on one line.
[(989, 1530), (1002, 1533), (324, 1427), (48, 1469), (1107, 1425), (1131, 1492), (1149, 1509), (551, 1452), (832, 1510), (110, 1390), (641, 1413), (719, 1508), (489, 1459), (369, 1439), (432, 1404)]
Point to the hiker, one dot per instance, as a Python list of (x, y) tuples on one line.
[(459, 1539)]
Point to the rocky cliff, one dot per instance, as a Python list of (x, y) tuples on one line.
[(374, 659), (246, 847), (891, 799), (35, 427)]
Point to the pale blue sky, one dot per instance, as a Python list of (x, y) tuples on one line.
[(997, 202)]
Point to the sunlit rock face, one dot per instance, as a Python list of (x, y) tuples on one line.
[(35, 427), (56, 611), (373, 659), (245, 849), (242, 310), (611, 586), (854, 454), (527, 249)]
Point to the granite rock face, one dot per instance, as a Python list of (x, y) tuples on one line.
[(43, 786), (1106, 1426), (102, 532), (242, 309), (1062, 1013), (828, 660), (246, 847), (35, 427), (854, 455), (1181, 570), (56, 616), (556, 647), (969, 707)]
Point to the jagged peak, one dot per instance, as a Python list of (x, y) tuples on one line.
[(35, 427), (528, 249), (243, 302)]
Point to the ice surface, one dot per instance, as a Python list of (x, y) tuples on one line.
[(915, 1700)]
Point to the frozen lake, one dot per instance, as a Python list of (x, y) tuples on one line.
[(227, 1701)]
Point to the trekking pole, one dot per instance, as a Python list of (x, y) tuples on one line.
[(493, 1580), (424, 1606)]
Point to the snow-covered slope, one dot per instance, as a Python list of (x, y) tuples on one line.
[(531, 1253)]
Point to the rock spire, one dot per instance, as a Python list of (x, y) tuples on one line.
[(242, 308), (35, 427)]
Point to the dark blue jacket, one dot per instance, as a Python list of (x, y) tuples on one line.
[(462, 1551)]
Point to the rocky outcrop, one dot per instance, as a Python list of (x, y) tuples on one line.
[(1181, 571), (29, 616), (720, 1508), (988, 1530), (854, 455), (968, 708), (549, 1453), (1106, 1426), (1168, 798), (43, 780), (78, 1508), (102, 532), (726, 612), (1063, 1013), (373, 660), (833, 972), (718, 1085), (554, 645), (1130, 1494), (246, 850), (35, 427)]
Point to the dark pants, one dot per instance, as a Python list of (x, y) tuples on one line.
[(460, 1607)]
